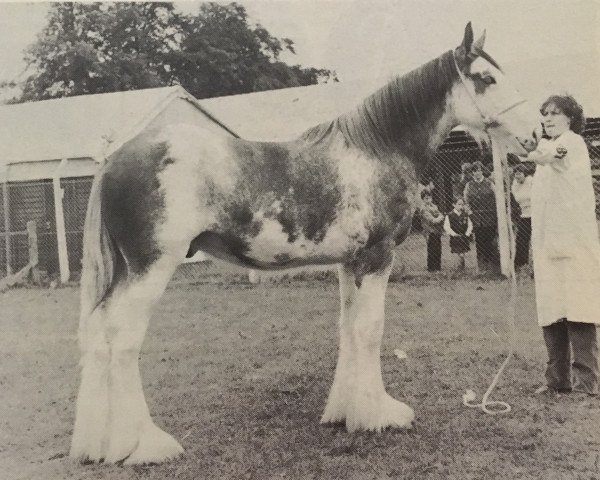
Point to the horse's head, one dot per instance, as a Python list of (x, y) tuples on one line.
[(485, 101)]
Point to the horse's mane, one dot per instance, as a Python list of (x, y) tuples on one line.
[(403, 110)]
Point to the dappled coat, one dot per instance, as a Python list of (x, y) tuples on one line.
[(566, 249)]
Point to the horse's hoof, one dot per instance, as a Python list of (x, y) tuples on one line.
[(155, 446), (388, 412)]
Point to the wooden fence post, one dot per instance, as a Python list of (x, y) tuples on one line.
[(30, 270), (61, 236), (33, 252), (7, 238), (499, 152)]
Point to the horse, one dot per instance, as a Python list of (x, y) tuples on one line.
[(343, 193)]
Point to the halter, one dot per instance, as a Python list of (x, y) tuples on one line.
[(491, 121)]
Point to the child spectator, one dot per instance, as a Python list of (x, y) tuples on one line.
[(432, 221), (459, 227)]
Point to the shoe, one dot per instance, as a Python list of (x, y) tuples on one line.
[(586, 393), (546, 390)]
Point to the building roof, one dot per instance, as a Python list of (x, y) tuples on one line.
[(77, 127), (280, 115)]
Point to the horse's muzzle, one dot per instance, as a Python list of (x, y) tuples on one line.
[(528, 144)]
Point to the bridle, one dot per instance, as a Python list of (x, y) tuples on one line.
[(489, 122)]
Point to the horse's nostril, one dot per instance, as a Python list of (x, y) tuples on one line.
[(528, 144)]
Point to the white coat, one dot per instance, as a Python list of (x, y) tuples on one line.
[(566, 249)]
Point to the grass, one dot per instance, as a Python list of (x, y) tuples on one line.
[(240, 373)]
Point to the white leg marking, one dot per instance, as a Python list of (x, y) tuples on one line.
[(335, 410), (358, 394), (112, 421), (131, 433), (91, 418)]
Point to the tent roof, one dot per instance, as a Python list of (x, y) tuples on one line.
[(280, 115), (77, 127)]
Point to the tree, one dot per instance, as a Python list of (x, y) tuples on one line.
[(221, 54), (106, 47)]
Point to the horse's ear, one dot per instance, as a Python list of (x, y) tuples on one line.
[(463, 52), (477, 47), (467, 42)]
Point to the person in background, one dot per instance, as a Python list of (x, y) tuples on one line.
[(459, 227), (465, 177), (521, 190), (481, 203), (432, 221), (566, 249)]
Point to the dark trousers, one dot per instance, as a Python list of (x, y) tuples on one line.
[(572, 356), (522, 242), (434, 252), (485, 246)]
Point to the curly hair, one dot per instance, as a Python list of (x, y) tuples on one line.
[(569, 106)]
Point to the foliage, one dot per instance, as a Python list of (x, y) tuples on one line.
[(90, 48)]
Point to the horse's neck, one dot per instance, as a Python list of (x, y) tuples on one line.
[(416, 139), (409, 117)]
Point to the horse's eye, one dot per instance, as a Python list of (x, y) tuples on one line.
[(489, 80)]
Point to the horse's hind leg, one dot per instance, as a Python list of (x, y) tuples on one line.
[(91, 419), (358, 395), (113, 422), (131, 434)]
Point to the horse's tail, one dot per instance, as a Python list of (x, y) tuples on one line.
[(101, 256)]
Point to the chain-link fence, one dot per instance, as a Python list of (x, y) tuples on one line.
[(21, 202), (35, 201), (449, 177)]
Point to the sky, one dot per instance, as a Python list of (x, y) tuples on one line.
[(546, 46)]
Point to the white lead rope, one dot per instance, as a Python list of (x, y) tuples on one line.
[(495, 407)]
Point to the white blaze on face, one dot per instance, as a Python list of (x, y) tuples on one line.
[(497, 95), (196, 156), (496, 100)]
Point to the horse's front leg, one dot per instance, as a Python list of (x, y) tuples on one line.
[(358, 395)]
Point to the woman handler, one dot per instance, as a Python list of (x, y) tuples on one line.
[(566, 249)]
